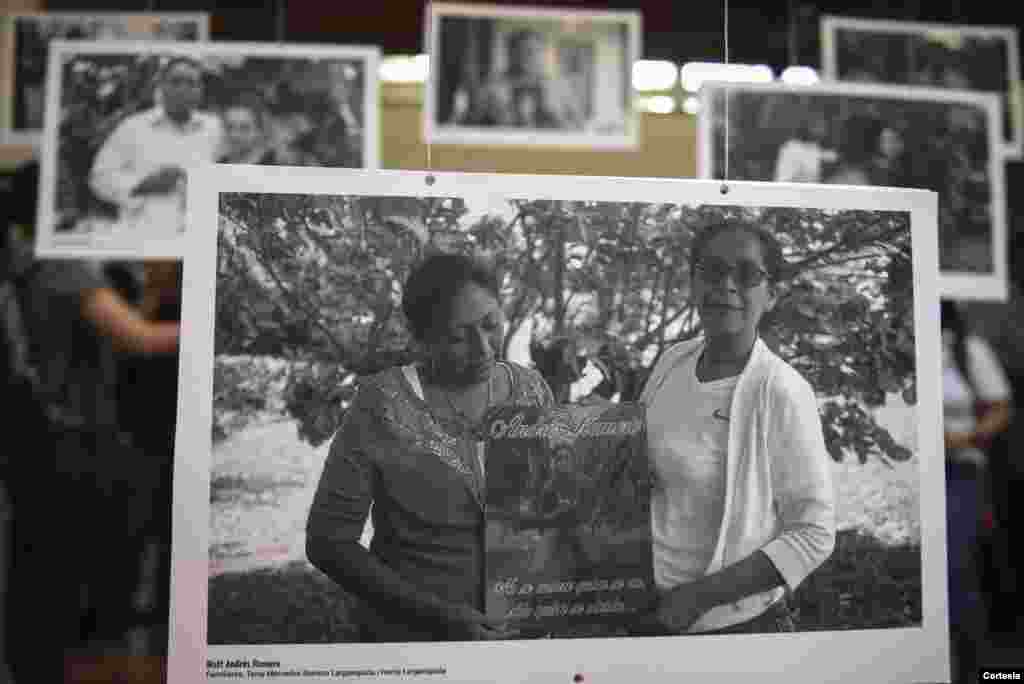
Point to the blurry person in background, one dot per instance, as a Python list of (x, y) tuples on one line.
[(245, 133), (141, 166), (291, 124), (526, 94), (76, 323), (326, 139), (802, 157), (857, 145), (148, 397), (890, 163), (976, 400), (30, 97)]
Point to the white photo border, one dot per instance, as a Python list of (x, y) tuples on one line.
[(8, 33), (1012, 145), (901, 655), (436, 134), (49, 245), (953, 284)]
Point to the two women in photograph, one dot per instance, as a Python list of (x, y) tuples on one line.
[(742, 509)]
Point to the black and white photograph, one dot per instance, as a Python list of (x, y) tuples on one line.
[(383, 388), (568, 509), (931, 55), (24, 47), (847, 134), (531, 76), (128, 120)]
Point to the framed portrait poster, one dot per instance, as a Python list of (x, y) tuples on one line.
[(127, 120), (334, 518), (854, 134), (531, 76), (24, 44), (931, 55)]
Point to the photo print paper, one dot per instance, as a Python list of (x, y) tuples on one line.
[(568, 538), (304, 450), (531, 76), (24, 43), (944, 56), (850, 134), (128, 120)]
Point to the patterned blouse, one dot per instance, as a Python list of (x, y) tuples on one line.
[(421, 473)]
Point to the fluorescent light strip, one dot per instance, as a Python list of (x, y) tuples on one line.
[(799, 75), (693, 74), (654, 75), (404, 68), (657, 104)]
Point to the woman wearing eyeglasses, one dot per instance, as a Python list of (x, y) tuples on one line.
[(742, 512)]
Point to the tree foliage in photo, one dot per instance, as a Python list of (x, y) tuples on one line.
[(317, 281)]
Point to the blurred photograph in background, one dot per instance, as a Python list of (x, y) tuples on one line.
[(24, 50), (128, 120), (528, 76), (945, 56), (855, 134)]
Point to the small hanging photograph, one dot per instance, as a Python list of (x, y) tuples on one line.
[(855, 134), (931, 55), (430, 424), (24, 46), (531, 76), (126, 121)]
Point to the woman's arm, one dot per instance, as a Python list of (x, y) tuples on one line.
[(336, 519), (113, 176), (994, 419), (801, 482), (118, 320), (683, 605), (802, 489), (994, 404)]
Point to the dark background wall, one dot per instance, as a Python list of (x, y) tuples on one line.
[(774, 32)]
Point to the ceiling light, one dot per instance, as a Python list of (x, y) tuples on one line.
[(649, 74), (693, 74), (657, 104), (404, 68), (799, 75)]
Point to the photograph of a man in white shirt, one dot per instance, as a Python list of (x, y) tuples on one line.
[(127, 122), (141, 166)]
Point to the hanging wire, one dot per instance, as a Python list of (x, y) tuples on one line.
[(429, 38), (791, 38), (280, 21), (725, 152)]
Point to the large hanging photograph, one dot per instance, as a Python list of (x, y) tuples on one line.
[(931, 55), (24, 47), (851, 134), (126, 121), (531, 76), (334, 498)]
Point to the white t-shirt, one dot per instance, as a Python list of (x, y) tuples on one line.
[(800, 161), (140, 145), (688, 435), (989, 384)]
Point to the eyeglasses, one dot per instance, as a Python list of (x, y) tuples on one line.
[(746, 274)]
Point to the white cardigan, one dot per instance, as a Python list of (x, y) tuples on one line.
[(778, 492)]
